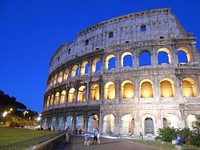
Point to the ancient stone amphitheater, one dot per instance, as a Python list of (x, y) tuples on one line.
[(131, 74)]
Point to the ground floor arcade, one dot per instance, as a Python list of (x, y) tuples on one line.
[(120, 119)]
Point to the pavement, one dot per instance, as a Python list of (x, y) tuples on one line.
[(76, 143)]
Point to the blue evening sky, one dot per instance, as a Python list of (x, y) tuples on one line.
[(31, 31)]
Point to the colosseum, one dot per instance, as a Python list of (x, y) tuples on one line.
[(130, 74)]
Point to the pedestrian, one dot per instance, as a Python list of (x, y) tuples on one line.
[(67, 137), (98, 138), (86, 139), (179, 142), (95, 137), (76, 131)]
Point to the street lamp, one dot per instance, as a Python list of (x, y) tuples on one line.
[(25, 112)]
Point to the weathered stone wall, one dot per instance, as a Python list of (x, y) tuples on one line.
[(162, 30)]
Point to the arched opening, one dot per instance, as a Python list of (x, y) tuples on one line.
[(55, 79), (108, 124), (145, 58), (82, 92), (94, 92), (189, 87), (53, 123), (127, 89), (127, 125), (66, 74), (56, 98), (96, 65), (191, 119), (184, 55), (93, 123), (110, 62), (171, 121), (126, 59), (52, 99), (74, 71), (60, 123), (146, 89), (164, 56), (109, 91), (68, 123), (80, 122), (166, 122), (148, 126), (63, 97), (166, 88), (84, 68), (60, 75), (71, 95)]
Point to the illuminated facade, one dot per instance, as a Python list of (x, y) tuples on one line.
[(134, 73)]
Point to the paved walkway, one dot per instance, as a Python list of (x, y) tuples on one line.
[(106, 144)]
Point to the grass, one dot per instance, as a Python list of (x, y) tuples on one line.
[(23, 138)]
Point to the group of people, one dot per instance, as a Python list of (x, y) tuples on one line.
[(96, 139)]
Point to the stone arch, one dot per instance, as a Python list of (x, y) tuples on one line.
[(94, 92), (145, 55), (127, 124), (189, 87), (186, 56), (167, 88), (93, 123), (108, 124), (52, 99), (63, 97), (48, 101), (80, 120), (74, 71), (127, 89), (164, 55), (71, 95), (172, 120), (68, 123), (55, 79), (82, 92), (110, 62), (146, 89), (96, 65), (66, 74), (109, 91), (56, 100), (148, 124), (127, 59), (84, 68), (191, 119), (60, 75)]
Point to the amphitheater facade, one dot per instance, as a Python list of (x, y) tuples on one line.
[(130, 74)]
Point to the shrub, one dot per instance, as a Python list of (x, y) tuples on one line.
[(166, 134)]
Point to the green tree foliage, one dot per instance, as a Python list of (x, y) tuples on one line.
[(7, 102), (166, 134), (195, 137)]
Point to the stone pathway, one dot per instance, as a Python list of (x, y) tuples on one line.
[(106, 144)]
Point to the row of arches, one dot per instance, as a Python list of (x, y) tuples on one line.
[(164, 56), (127, 123), (146, 90)]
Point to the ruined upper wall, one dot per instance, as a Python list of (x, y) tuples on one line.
[(142, 26)]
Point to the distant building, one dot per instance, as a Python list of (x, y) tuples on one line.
[(130, 74)]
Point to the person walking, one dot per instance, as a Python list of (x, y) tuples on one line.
[(95, 137), (179, 142)]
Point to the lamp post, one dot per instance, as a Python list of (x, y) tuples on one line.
[(25, 112)]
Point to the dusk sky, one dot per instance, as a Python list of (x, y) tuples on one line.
[(32, 30)]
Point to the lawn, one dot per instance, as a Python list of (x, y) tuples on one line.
[(23, 137)]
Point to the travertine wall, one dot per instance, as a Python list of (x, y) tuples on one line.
[(162, 32)]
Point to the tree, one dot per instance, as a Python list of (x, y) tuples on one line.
[(195, 137)]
